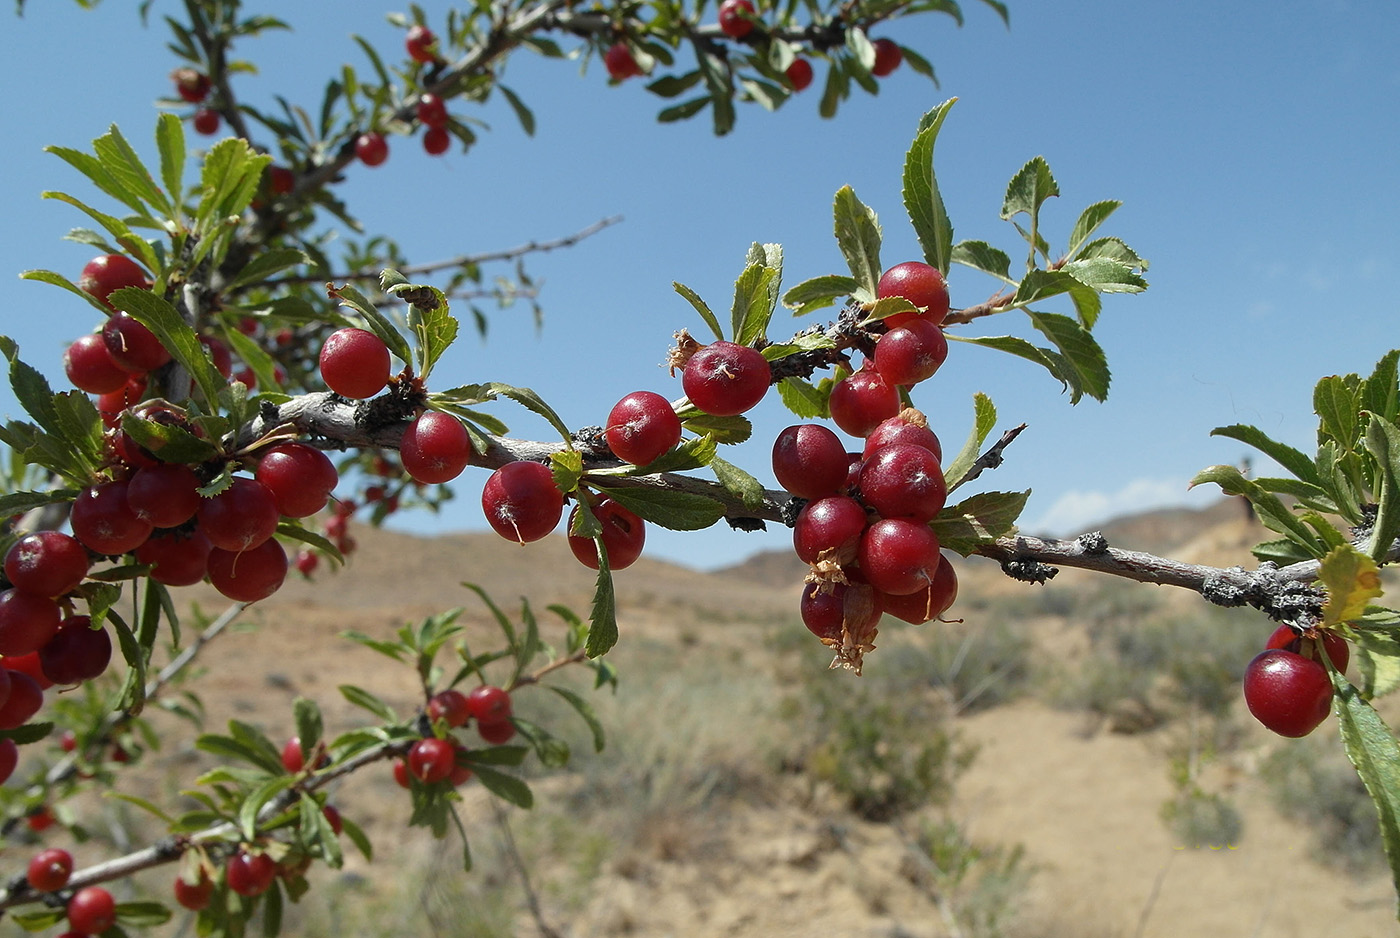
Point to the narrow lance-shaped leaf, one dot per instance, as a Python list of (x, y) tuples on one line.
[(170, 141), (1081, 353), (754, 300), (984, 418), (858, 236), (1383, 441), (705, 312), (174, 333), (1286, 456), (1271, 511), (922, 199)]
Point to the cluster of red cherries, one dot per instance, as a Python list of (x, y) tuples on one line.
[(737, 20), (1287, 687), (865, 528)]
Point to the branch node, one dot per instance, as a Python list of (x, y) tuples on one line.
[(791, 509), (1093, 543), (1223, 590), (1028, 571), (747, 524)]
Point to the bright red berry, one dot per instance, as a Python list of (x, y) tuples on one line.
[(925, 604), (27, 665), (355, 363), (194, 896), (641, 427), (902, 480), (92, 910), (89, 366), (833, 524), (41, 819), (102, 275), (250, 874), (860, 402), (899, 556), (241, 517), (810, 461), (132, 346), (27, 621), (178, 558), (497, 734), (206, 121), (300, 478), (431, 760), (1337, 648), (281, 180), (435, 447), (620, 62), (911, 353), (165, 494), (907, 426), (77, 652), (50, 869), (250, 575), (306, 562), (103, 521), (521, 501), (888, 55), (432, 110), (293, 760), (799, 74), (489, 704), (919, 283), (725, 378), (421, 44), (1286, 692), (46, 563), (624, 536), (734, 18), (371, 148), (825, 612)]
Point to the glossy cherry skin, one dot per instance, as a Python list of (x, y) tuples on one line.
[(1288, 693)]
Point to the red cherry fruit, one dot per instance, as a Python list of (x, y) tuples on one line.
[(799, 74), (461, 774), (249, 575), (206, 121), (240, 517), (1337, 648), (191, 84), (911, 353), (401, 773), (733, 18), (624, 536), (925, 604), (371, 148), (860, 402), (497, 734), (432, 110), (620, 62), (436, 140), (919, 283), (89, 366), (431, 760), (449, 705), (281, 180), (300, 478), (250, 874), (27, 621), (177, 558), (46, 563), (165, 495), (27, 665), (489, 704), (332, 815), (825, 611), (810, 461), (903, 481), (111, 404), (887, 57), (306, 562), (132, 346), (521, 501), (834, 523), (899, 556), (102, 275), (725, 378), (103, 521), (355, 363), (421, 44), (195, 896), (435, 448), (908, 426), (77, 652), (50, 869), (641, 427), (41, 819), (9, 758), (92, 910), (1288, 693)]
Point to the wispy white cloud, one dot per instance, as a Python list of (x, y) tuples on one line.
[(1075, 512)]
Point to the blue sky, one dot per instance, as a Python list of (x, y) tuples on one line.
[(1254, 146)]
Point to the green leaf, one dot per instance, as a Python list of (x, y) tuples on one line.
[(705, 312), (979, 255), (58, 280), (1377, 658), (118, 229), (264, 264), (802, 398), (1383, 442), (358, 838), (1106, 275), (364, 699), (684, 110), (1086, 365), (676, 511), (1352, 580), (1382, 392), (922, 199), (584, 710), (739, 482), (755, 297), (1373, 749), (174, 333), (1028, 190), (121, 161), (671, 86), (506, 787), (858, 236), (602, 619), (168, 443), (977, 520), (1338, 404), (308, 721), (38, 921), (984, 420), (17, 503), (432, 325), (522, 113), (170, 141), (535, 403), (1088, 222), (142, 914), (1286, 456), (818, 293), (27, 734), (253, 804), (1020, 348), (1271, 511), (729, 431), (552, 751)]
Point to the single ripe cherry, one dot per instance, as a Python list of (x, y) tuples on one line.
[(355, 363), (177, 558), (194, 896), (281, 180), (449, 705), (250, 874), (46, 563), (421, 44), (1288, 693), (911, 353), (371, 148), (834, 524), (27, 621), (824, 612), (888, 55), (860, 402), (624, 536), (907, 426), (431, 760), (103, 521), (92, 910), (810, 461), (733, 18), (432, 110), (497, 734), (620, 62), (164, 494), (50, 869), (249, 575), (27, 665), (132, 346), (799, 74), (899, 556), (24, 701), (436, 140), (521, 501), (919, 283), (488, 704), (191, 84), (89, 366), (902, 480), (927, 603), (300, 478), (435, 448), (206, 121), (102, 275), (641, 427), (241, 517), (77, 652), (725, 378)]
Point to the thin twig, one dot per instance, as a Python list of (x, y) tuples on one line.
[(513, 851)]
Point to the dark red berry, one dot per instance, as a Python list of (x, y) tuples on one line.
[(810, 461), (9, 758), (50, 869), (89, 366), (908, 426), (77, 652), (521, 501), (421, 44), (799, 74), (449, 705), (911, 353), (206, 121), (826, 611), (219, 354), (332, 815), (132, 346), (488, 704), (40, 819), (833, 524), (191, 84), (641, 427), (355, 363), (46, 563), (436, 140), (435, 448), (300, 478), (27, 621), (431, 760), (194, 896), (240, 517), (734, 18), (250, 874), (887, 57), (925, 604), (177, 558), (281, 180), (432, 110), (1288, 693), (165, 495), (860, 402), (725, 378), (919, 283), (496, 734), (898, 556), (624, 536), (620, 62), (902, 480), (371, 149), (92, 910), (250, 575)]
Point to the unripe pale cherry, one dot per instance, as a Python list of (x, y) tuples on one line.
[(641, 427), (919, 283), (521, 501), (435, 447), (725, 378), (810, 461), (860, 402), (354, 363), (47, 563)]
